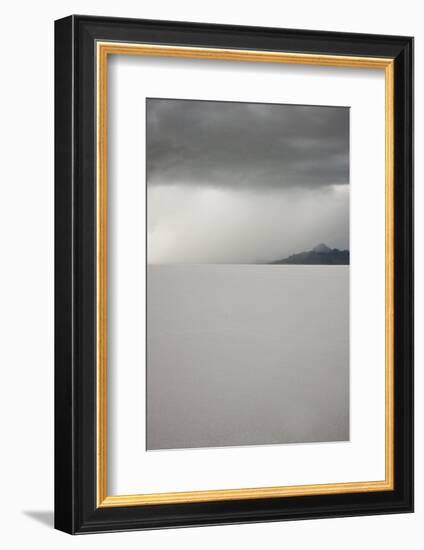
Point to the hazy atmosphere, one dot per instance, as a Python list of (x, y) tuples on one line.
[(255, 349), (245, 183)]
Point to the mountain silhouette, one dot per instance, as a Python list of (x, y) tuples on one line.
[(319, 255)]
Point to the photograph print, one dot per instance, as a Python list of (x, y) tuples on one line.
[(247, 274)]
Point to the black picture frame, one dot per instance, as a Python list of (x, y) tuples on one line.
[(76, 509)]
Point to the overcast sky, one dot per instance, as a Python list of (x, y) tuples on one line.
[(244, 183)]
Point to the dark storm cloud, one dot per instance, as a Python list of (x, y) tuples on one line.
[(244, 182), (246, 146)]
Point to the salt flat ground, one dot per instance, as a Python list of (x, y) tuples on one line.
[(247, 355)]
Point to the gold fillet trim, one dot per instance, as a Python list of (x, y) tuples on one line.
[(390, 277), (119, 48), (238, 494), (122, 48), (101, 294)]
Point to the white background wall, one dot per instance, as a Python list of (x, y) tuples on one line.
[(26, 273)]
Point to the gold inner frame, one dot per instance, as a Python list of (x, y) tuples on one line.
[(104, 49)]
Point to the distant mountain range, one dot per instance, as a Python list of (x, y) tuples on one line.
[(319, 255)]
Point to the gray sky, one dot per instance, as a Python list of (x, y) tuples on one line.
[(242, 182)]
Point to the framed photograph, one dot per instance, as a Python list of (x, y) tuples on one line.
[(234, 271)]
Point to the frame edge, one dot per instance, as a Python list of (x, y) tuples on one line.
[(64, 449)]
